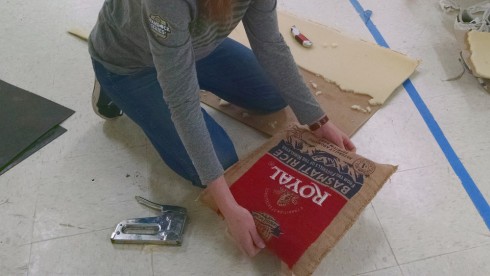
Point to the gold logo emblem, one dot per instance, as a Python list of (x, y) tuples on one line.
[(159, 26), (267, 226)]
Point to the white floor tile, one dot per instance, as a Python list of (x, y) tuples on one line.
[(397, 135), (18, 190), (14, 259), (364, 248), (425, 212), (392, 271), (89, 254), (468, 262), (468, 129), (90, 193)]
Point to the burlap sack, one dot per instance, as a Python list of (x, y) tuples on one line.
[(304, 194)]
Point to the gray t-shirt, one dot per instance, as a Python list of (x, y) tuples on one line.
[(170, 36)]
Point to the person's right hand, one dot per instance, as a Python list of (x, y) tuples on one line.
[(242, 228), (336, 136), (239, 220)]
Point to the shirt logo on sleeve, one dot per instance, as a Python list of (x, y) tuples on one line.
[(159, 26)]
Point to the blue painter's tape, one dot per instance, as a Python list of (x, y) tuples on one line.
[(469, 185), (366, 16), (369, 24)]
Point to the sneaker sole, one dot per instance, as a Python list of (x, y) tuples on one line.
[(95, 99)]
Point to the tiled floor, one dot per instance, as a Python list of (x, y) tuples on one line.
[(58, 207)]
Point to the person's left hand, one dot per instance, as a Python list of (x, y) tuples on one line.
[(336, 136)]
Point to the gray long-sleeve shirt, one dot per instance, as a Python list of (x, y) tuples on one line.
[(170, 36)]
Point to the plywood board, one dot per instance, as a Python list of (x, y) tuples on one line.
[(332, 99)]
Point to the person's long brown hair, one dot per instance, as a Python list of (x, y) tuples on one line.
[(216, 10)]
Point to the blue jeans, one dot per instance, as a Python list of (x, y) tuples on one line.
[(231, 72)]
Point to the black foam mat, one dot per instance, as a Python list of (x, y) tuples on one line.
[(27, 123)]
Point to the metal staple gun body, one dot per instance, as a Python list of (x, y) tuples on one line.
[(165, 229)]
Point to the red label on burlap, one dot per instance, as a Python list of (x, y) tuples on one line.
[(290, 205)]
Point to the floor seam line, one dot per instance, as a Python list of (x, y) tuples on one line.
[(384, 234), (375, 270), (444, 254), (32, 236), (72, 235)]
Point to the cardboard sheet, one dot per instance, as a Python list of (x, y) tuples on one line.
[(336, 103), (337, 64), (27, 122), (354, 65), (479, 47)]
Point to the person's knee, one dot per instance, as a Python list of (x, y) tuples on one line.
[(279, 105), (268, 107)]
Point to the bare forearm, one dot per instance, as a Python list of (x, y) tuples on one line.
[(222, 195), (239, 220)]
